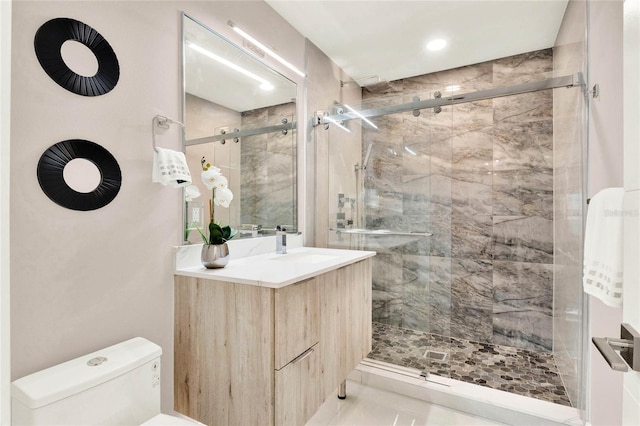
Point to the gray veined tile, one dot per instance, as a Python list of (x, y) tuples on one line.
[(415, 290), (254, 117), (523, 146), (472, 116), (523, 239), (427, 122), (472, 283), (440, 242), (523, 329), (417, 158), (471, 323), (440, 295), (387, 288), (390, 130), (280, 168), (387, 307), (523, 68), (472, 151), (470, 78), (471, 194), (534, 289), (416, 194), (471, 236), (382, 206), (384, 170), (383, 89), (523, 192), (527, 107), (418, 245), (440, 203)]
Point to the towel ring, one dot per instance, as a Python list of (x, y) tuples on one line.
[(162, 122)]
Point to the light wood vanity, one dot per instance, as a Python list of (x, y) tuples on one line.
[(269, 354)]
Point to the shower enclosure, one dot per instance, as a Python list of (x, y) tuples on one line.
[(455, 179)]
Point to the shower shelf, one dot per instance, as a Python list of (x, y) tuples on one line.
[(380, 232)]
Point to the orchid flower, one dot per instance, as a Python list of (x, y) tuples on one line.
[(223, 197)]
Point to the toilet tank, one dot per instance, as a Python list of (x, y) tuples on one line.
[(118, 385)]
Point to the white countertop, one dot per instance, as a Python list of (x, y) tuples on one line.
[(279, 270)]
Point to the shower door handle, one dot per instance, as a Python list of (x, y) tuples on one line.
[(629, 339)]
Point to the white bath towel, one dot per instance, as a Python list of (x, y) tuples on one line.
[(602, 274), (170, 168)]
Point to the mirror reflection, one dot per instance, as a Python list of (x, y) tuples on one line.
[(239, 117)]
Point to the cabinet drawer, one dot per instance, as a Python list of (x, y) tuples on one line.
[(297, 389), (296, 320)]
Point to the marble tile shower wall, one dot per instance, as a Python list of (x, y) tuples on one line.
[(479, 176), (267, 192)]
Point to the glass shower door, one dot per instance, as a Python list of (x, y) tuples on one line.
[(395, 199)]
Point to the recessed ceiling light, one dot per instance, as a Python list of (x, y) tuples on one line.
[(436, 44)]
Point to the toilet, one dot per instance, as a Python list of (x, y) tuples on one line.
[(118, 385)]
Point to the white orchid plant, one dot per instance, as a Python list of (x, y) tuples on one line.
[(219, 185)]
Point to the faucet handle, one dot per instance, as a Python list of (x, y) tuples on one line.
[(280, 228)]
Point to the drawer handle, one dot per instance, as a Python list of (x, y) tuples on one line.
[(302, 356)]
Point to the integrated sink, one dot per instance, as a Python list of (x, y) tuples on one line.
[(304, 258)]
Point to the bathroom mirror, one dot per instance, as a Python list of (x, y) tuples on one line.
[(239, 116)]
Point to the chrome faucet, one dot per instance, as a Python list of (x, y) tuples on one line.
[(281, 240)]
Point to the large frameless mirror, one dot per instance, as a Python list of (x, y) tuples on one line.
[(239, 117)]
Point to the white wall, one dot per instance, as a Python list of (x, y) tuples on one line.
[(84, 280), (631, 290), (5, 116)]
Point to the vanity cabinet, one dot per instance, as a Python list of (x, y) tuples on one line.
[(252, 355)]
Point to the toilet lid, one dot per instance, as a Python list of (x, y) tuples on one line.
[(166, 420)]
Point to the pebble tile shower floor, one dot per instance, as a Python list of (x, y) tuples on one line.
[(519, 371)]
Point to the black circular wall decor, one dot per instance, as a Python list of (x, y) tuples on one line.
[(48, 44), (51, 179)]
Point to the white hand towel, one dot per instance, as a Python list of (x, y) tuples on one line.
[(602, 274), (170, 168)]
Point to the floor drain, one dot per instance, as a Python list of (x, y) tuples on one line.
[(436, 356)]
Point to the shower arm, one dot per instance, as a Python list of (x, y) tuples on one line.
[(568, 81)]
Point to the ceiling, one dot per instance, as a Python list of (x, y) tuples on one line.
[(385, 40)]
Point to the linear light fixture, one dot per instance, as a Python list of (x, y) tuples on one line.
[(266, 49), (366, 120), (264, 84)]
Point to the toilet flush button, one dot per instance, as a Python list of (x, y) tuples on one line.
[(94, 362)]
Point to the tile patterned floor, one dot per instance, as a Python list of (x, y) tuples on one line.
[(518, 371)]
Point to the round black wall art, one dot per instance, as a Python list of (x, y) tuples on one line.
[(51, 179), (48, 44)]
